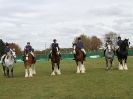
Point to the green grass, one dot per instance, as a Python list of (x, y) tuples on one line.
[(96, 83)]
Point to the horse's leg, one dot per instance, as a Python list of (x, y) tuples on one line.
[(7, 69), (78, 68), (111, 62), (120, 64), (12, 71), (34, 69), (4, 70), (82, 67), (106, 64), (53, 73), (30, 71), (26, 71), (125, 65), (58, 71)]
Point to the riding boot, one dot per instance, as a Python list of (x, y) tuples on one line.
[(114, 52), (14, 60), (104, 52), (84, 56), (23, 58), (34, 59), (74, 56), (60, 56), (49, 56)]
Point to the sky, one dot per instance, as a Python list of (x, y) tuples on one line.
[(41, 21)]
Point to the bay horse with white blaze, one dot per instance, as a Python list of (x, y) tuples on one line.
[(28, 62), (122, 53), (55, 61), (79, 59)]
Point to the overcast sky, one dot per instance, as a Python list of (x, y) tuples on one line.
[(40, 21)]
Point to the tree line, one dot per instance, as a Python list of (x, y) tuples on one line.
[(90, 43)]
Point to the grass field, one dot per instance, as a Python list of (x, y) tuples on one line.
[(96, 83)]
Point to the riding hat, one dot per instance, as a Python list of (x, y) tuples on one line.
[(119, 37), (7, 44), (54, 40), (108, 38), (28, 42), (79, 38)]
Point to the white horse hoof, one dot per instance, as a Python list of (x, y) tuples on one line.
[(59, 73), (125, 67), (53, 73), (34, 73), (26, 76), (30, 75), (120, 68), (78, 72), (82, 72)]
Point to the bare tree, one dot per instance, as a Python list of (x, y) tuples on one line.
[(113, 36), (90, 43), (85, 40), (16, 47)]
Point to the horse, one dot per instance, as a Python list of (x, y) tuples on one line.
[(55, 62), (122, 53), (7, 63), (109, 56), (79, 59), (28, 62)]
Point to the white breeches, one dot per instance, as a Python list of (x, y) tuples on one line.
[(83, 50), (32, 54)]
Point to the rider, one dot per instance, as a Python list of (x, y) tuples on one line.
[(14, 54), (28, 49), (6, 50), (119, 42), (54, 46), (80, 46), (108, 41)]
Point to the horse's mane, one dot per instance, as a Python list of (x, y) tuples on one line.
[(124, 45)]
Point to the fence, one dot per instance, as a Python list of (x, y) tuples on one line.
[(69, 56)]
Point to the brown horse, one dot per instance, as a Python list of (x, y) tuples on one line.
[(79, 59), (55, 61), (28, 62)]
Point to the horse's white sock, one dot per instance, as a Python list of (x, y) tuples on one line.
[(26, 72)]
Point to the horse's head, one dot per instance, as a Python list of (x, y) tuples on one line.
[(125, 44), (54, 51), (28, 56), (110, 48), (74, 47), (10, 55)]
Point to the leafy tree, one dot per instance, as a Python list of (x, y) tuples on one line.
[(16, 47), (2, 46), (95, 43)]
